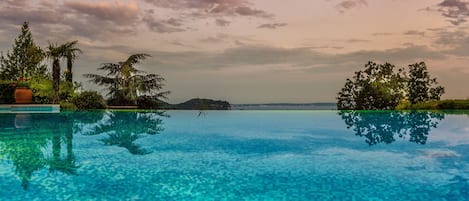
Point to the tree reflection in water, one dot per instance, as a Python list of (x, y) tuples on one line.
[(123, 129), (32, 142), (26, 140), (383, 126)]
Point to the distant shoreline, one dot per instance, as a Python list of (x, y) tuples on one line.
[(285, 106)]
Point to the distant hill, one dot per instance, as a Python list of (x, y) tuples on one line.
[(209, 104), (198, 104), (286, 106)]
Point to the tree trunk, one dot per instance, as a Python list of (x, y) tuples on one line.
[(56, 80), (68, 73)]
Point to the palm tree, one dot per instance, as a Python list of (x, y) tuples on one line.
[(125, 82), (55, 53), (71, 54)]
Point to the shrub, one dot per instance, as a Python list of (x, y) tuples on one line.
[(148, 102), (67, 105), (7, 92), (88, 100), (437, 105), (42, 90), (453, 104)]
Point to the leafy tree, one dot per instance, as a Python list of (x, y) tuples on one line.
[(25, 58), (71, 52), (379, 86), (126, 83), (421, 87), (376, 87)]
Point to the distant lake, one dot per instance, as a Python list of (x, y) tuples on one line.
[(285, 106)]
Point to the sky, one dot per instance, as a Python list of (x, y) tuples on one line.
[(253, 51)]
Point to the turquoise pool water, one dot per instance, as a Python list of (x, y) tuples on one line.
[(235, 155)]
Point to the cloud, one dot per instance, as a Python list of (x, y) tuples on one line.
[(163, 26), (345, 5), (247, 11), (204, 8), (307, 58), (222, 22), (414, 33), (63, 20), (17, 3), (382, 34), (454, 42), (354, 40), (272, 26), (175, 22), (118, 12), (455, 10), (16, 12), (219, 38)]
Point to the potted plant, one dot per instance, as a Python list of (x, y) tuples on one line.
[(23, 94)]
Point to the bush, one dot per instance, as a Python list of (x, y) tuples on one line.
[(89, 100), (7, 92), (42, 90), (437, 105), (148, 102), (67, 105), (453, 104)]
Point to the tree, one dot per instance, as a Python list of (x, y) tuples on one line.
[(55, 53), (380, 87), (71, 52), (421, 87), (25, 58), (376, 87), (125, 82)]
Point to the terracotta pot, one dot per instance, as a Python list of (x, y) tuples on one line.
[(23, 96)]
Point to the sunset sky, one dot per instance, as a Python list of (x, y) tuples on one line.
[(254, 51)]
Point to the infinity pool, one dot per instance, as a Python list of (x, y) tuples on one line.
[(235, 155)]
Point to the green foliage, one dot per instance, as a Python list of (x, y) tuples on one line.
[(65, 105), (56, 52), (25, 58), (89, 100), (66, 90), (421, 86), (71, 52), (148, 102), (22, 83), (7, 92), (438, 105), (379, 86), (125, 82), (42, 89)]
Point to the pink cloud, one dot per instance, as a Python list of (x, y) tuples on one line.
[(120, 12)]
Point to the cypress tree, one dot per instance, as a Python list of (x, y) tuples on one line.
[(25, 58)]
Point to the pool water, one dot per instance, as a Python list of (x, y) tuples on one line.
[(235, 155)]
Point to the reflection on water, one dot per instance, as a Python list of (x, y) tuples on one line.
[(32, 142), (119, 133), (386, 126)]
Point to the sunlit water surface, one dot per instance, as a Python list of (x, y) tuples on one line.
[(235, 155)]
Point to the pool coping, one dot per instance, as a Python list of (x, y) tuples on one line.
[(29, 108)]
